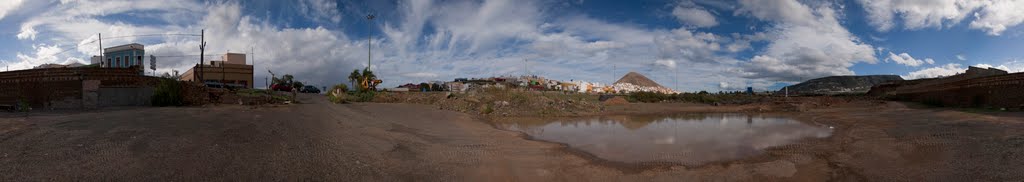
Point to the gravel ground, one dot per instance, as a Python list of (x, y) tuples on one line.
[(318, 141)]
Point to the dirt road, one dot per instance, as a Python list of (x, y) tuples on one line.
[(319, 141)]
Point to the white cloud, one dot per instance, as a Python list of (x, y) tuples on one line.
[(961, 57), (44, 54), (807, 43), (906, 59), (999, 15), (420, 75), (7, 6), (27, 33), (992, 16), (1012, 66), (320, 10), (667, 63), (694, 16), (688, 45), (940, 71)]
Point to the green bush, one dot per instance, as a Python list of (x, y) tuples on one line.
[(22, 105), (168, 93)]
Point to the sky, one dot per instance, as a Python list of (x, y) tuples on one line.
[(688, 45)]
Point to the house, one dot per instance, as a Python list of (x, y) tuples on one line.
[(125, 56), (456, 86)]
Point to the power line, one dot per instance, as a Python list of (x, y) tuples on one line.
[(195, 55), (76, 46), (154, 35)]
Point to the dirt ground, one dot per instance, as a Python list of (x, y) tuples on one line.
[(319, 141)]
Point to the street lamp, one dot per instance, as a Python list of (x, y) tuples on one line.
[(369, 44)]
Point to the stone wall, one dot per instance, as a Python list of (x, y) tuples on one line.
[(1000, 91)]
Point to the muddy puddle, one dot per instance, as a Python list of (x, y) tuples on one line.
[(688, 139)]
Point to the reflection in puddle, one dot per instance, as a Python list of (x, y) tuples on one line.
[(690, 139)]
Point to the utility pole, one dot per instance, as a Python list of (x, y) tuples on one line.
[(526, 67), (103, 62), (252, 50), (223, 73), (613, 73), (202, 52)]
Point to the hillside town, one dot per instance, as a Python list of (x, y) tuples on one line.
[(630, 83)]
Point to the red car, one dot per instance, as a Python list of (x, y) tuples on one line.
[(276, 87)]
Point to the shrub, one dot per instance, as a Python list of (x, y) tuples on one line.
[(364, 96), (22, 105), (168, 93), (339, 97), (649, 96)]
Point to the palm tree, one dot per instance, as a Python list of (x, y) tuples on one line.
[(354, 77), (369, 77)]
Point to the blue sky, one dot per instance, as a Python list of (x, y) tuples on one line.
[(685, 44)]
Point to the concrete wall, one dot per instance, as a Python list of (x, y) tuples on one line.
[(90, 94), (125, 96), (234, 58)]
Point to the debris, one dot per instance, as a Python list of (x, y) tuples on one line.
[(615, 101)]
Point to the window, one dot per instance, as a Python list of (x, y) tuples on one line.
[(108, 63), (117, 63), (138, 60), (126, 62)]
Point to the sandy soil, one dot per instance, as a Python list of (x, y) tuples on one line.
[(318, 141)]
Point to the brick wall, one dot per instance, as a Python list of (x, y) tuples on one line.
[(65, 88)]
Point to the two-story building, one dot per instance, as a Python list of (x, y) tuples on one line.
[(230, 71), (125, 56)]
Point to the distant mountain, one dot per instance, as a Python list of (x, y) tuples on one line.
[(638, 80), (839, 85)]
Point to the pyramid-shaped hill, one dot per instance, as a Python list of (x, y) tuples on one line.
[(638, 80)]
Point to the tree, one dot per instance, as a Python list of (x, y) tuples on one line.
[(297, 84), (275, 81), (354, 77), (368, 78), (287, 79), (425, 86)]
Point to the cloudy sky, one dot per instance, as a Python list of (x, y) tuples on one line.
[(686, 44)]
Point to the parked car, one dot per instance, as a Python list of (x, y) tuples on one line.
[(309, 89), (279, 87)]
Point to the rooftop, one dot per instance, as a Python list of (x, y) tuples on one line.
[(132, 46)]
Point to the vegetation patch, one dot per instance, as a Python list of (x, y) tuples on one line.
[(699, 97), (168, 93)]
